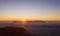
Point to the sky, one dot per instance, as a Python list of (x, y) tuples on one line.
[(46, 9)]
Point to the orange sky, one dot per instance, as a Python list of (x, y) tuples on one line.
[(30, 10), (1, 19)]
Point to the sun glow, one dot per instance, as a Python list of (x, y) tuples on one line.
[(23, 19)]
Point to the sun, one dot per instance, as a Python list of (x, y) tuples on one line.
[(23, 19)]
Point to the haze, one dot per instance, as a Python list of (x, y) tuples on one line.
[(36, 9)]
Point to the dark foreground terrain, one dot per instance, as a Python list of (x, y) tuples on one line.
[(50, 28), (13, 31)]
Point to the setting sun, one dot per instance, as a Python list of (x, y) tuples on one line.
[(23, 19)]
